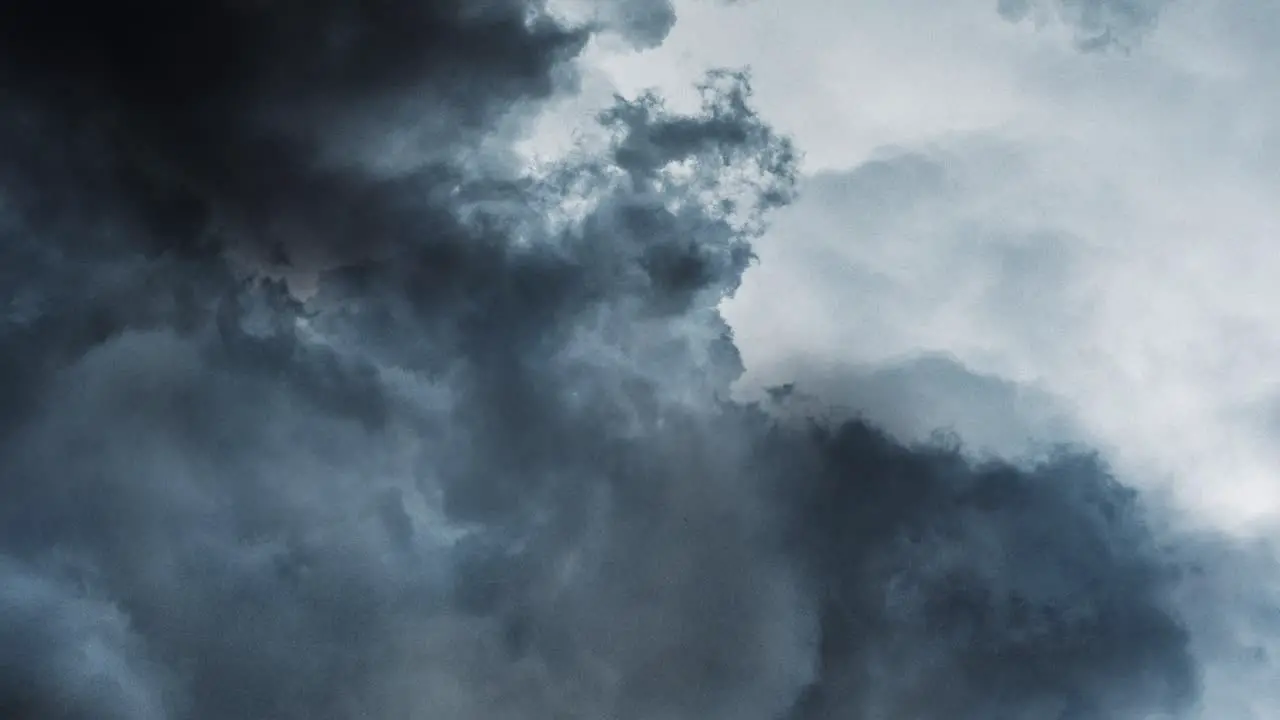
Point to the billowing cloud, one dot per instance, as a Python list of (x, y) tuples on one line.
[(925, 398), (487, 465)]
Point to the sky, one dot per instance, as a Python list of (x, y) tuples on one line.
[(1078, 198), (636, 360)]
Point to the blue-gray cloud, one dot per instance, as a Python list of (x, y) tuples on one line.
[(1097, 24), (933, 396), (490, 469)]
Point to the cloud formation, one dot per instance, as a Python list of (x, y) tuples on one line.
[(1097, 24), (489, 468)]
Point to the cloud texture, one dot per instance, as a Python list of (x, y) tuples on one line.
[(486, 464), (1096, 24)]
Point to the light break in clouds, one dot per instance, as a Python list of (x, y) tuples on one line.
[(1081, 198)]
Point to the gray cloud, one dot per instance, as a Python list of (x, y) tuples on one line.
[(490, 469), (1096, 24), (917, 399), (70, 656), (973, 611)]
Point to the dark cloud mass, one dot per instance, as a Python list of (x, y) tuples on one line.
[(488, 468)]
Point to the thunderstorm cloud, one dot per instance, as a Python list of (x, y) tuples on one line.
[(317, 401)]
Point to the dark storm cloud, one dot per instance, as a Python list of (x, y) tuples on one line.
[(489, 470), (1097, 24), (246, 114), (985, 592)]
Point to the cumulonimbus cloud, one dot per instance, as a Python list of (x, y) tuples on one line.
[(489, 469)]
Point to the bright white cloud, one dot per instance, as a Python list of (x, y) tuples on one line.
[(1100, 225)]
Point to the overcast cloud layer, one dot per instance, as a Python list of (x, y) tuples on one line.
[(319, 402)]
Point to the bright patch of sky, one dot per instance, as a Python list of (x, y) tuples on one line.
[(1097, 226)]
